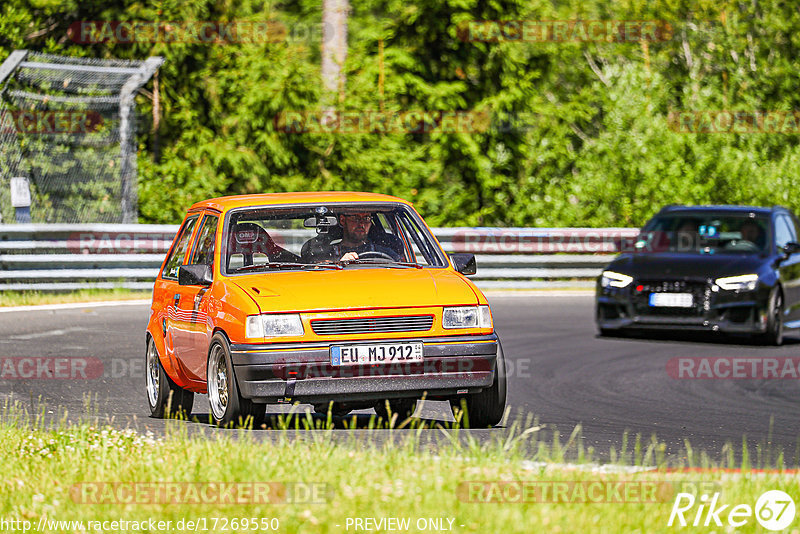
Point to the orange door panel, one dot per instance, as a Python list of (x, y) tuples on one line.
[(182, 326)]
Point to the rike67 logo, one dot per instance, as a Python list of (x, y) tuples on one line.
[(774, 510)]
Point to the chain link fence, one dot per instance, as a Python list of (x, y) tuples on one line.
[(68, 125)]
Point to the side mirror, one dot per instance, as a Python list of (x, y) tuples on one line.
[(464, 263), (195, 275), (791, 248)]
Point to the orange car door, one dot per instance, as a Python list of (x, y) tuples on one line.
[(200, 326), (175, 298)]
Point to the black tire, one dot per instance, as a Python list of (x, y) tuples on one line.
[(164, 397), (228, 407), (335, 408), (613, 332), (485, 408), (258, 414), (404, 408), (774, 333)]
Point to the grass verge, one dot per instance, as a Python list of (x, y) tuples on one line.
[(89, 473), (33, 298)]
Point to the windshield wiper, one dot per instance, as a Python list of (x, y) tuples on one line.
[(408, 264), (288, 265)]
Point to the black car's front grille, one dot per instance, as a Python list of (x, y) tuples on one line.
[(368, 325), (642, 289)]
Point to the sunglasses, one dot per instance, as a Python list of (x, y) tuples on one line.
[(359, 218)]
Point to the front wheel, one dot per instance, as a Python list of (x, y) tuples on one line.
[(164, 397), (774, 333), (228, 407), (485, 408)]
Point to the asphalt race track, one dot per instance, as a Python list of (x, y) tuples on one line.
[(561, 372)]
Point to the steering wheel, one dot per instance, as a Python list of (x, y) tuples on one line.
[(742, 245), (376, 254)]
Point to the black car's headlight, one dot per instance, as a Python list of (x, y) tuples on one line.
[(744, 282), (612, 279)]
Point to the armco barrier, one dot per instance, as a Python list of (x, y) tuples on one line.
[(51, 257)]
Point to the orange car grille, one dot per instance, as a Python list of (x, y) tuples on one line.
[(368, 325)]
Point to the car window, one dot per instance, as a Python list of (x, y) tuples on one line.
[(790, 225), (793, 225), (306, 236), (206, 237), (179, 250), (704, 232), (783, 232), (422, 248)]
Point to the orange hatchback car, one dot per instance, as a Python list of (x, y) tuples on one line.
[(342, 300)]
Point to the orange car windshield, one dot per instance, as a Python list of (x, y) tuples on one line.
[(334, 236)]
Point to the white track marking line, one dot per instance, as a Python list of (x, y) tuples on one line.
[(48, 333)]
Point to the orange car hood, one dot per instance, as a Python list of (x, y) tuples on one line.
[(354, 288)]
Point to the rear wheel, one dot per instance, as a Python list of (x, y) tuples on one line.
[(404, 408), (228, 407), (164, 397), (485, 408), (774, 333)]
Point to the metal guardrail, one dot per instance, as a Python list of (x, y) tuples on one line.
[(53, 257)]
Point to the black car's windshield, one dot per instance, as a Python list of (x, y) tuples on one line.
[(325, 236), (705, 233)]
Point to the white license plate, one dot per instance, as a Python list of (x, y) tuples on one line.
[(379, 353), (672, 300)]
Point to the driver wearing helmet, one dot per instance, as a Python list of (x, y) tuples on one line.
[(355, 242)]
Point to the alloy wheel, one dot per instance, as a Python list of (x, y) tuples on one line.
[(218, 382)]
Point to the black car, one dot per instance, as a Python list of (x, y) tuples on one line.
[(732, 269)]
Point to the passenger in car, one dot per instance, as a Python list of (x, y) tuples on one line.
[(249, 239), (752, 231)]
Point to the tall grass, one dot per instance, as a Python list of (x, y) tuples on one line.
[(368, 467), (33, 298)]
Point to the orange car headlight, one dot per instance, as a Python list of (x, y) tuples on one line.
[(274, 325), (467, 317)]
